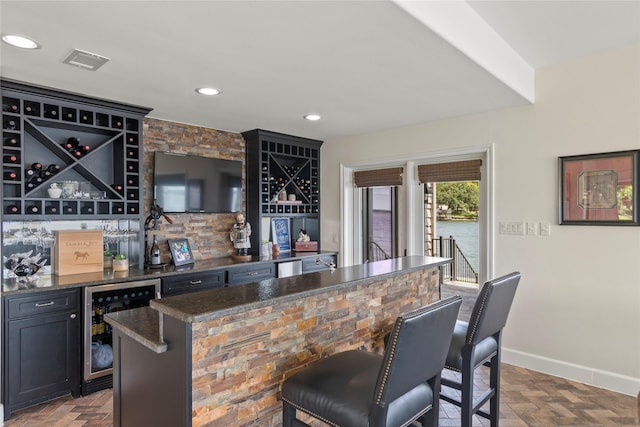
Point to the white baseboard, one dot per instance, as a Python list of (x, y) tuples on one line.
[(590, 376)]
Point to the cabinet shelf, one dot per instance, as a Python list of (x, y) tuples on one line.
[(37, 122), (282, 180)]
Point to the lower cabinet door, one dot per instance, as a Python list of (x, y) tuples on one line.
[(43, 356)]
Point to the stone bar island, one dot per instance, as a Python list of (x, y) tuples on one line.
[(218, 357)]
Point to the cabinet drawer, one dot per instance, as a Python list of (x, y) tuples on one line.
[(256, 273), (309, 264), (42, 303), (192, 282)]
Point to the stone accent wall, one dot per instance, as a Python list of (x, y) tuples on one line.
[(208, 234), (240, 361)]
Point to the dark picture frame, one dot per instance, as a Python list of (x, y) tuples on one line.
[(281, 233), (180, 251), (599, 189)]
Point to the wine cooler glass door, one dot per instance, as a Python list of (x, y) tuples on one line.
[(103, 299)]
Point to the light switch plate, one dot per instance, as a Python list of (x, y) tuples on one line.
[(513, 228), (545, 229)]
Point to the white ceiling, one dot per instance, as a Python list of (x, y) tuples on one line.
[(363, 65)]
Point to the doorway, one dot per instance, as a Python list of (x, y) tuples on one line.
[(380, 223)]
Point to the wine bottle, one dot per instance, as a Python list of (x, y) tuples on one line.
[(72, 143), (76, 153), (12, 209), (118, 187), (155, 252), (69, 209), (10, 175), (11, 142), (10, 124), (12, 108), (30, 186), (11, 158), (51, 210), (131, 182), (36, 166), (54, 169), (86, 210), (85, 149), (36, 179), (29, 173), (33, 209)]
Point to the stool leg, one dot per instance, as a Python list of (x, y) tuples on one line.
[(288, 415), (494, 383), (466, 402)]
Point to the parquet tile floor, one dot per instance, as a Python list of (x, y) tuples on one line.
[(528, 398)]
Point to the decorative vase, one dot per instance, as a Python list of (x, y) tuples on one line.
[(54, 191), (108, 262)]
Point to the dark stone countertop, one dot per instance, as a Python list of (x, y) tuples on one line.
[(143, 325), (54, 282), (211, 304)]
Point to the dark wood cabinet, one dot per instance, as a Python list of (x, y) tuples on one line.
[(283, 180), (91, 149), (251, 273), (191, 282), (41, 345)]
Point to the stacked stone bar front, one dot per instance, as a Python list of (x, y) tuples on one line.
[(240, 360)]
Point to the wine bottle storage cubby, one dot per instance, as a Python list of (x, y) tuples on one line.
[(282, 179), (90, 148)]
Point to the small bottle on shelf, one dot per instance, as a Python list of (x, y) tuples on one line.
[(32, 209), (11, 142), (10, 176), (53, 169), (12, 209), (11, 158)]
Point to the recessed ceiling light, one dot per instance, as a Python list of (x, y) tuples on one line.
[(312, 117), (20, 41), (207, 91)]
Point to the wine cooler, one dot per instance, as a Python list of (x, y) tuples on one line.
[(97, 339)]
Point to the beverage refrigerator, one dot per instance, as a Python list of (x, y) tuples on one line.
[(97, 339)]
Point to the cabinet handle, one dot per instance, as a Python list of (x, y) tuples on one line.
[(44, 304), (195, 282), (73, 315), (253, 273)]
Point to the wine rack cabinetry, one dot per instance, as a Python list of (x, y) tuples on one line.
[(283, 180), (90, 149)]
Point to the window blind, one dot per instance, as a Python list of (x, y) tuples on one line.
[(378, 177), (467, 170)]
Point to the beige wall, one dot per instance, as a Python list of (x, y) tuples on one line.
[(577, 311)]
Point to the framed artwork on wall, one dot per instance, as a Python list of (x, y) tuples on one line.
[(599, 189), (180, 252)]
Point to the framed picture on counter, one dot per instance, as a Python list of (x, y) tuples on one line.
[(180, 252), (599, 189), (281, 234)]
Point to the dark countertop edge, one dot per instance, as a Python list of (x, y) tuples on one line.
[(135, 274), (142, 325), (165, 305)]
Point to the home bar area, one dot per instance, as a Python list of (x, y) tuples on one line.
[(219, 357)]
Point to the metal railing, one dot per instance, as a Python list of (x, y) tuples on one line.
[(460, 269), (376, 252)]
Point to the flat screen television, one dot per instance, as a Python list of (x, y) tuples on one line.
[(187, 183)]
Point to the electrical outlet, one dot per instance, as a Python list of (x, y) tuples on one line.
[(513, 228), (545, 229), (532, 228)]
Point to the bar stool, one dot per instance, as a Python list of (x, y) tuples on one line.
[(477, 343), (363, 389)]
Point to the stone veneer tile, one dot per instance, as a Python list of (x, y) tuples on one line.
[(248, 355), (208, 234)]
